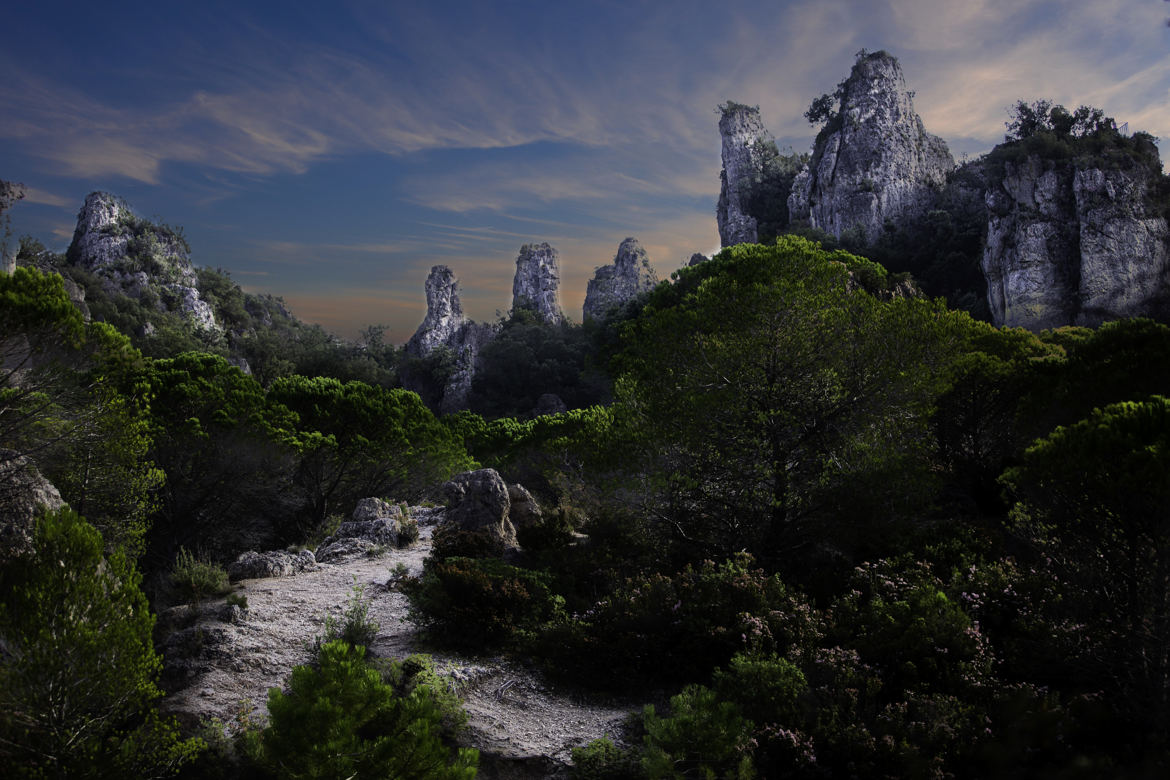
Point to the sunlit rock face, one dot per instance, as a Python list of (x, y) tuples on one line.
[(138, 259), (743, 138), (445, 327), (629, 276), (537, 283), (874, 160), (1070, 242)]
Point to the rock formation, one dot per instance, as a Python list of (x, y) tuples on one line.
[(479, 503), (253, 565), (1074, 242), (536, 286), (613, 285), (873, 161), (744, 148), (445, 327), (24, 494), (136, 258), (696, 258)]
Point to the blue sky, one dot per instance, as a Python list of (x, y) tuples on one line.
[(333, 152)]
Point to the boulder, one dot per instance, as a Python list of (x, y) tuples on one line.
[(375, 508), (478, 502), (24, 494), (359, 537), (524, 511), (253, 565)]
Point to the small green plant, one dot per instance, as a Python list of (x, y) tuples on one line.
[(407, 528), (601, 759), (237, 600), (354, 627), (377, 551), (195, 577), (399, 574)]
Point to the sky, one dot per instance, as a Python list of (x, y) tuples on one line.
[(332, 152)]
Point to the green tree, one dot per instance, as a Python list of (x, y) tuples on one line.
[(772, 388), (1093, 498), (359, 440), (78, 673), (341, 720)]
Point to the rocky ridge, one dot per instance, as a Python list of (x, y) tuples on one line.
[(874, 160), (629, 276), (138, 259)]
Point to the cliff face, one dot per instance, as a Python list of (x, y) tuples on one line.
[(874, 160), (744, 148), (138, 259), (1071, 242), (446, 327), (612, 285), (536, 285)]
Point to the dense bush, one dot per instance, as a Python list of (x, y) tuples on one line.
[(341, 720), (659, 628), (476, 603)]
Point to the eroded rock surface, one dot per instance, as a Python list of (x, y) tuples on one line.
[(253, 565), (479, 502), (629, 276), (1070, 242), (874, 160), (537, 283)]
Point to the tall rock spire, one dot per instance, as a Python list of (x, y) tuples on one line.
[(874, 160), (536, 286), (629, 276), (744, 139)]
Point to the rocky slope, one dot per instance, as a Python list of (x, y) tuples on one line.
[(224, 662), (1074, 242), (629, 276), (537, 283), (873, 161), (141, 260)]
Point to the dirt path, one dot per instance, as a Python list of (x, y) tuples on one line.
[(523, 727)]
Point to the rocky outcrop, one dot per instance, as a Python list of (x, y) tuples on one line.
[(141, 260), (375, 525), (523, 510), (24, 494), (696, 258), (1074, 242), (445, 327), (873, 161), (478, 502), (629, 276), (274, 563), (744, 149), (537, 283), (7, 261)]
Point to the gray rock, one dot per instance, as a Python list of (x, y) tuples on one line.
[(445, 327), (536, 286), (479, 501), (375, 508), (743, 135), (7, 261), (113, 244), (359, 537), (524, 511), (874, 161), (253, 565), (697, 258), (549, 403), (24, 494), (1071, 243), (629, 276)]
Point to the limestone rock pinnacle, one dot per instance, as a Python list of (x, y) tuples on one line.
[(536, 285), (873, 161), (743, 135), (629, 276)]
